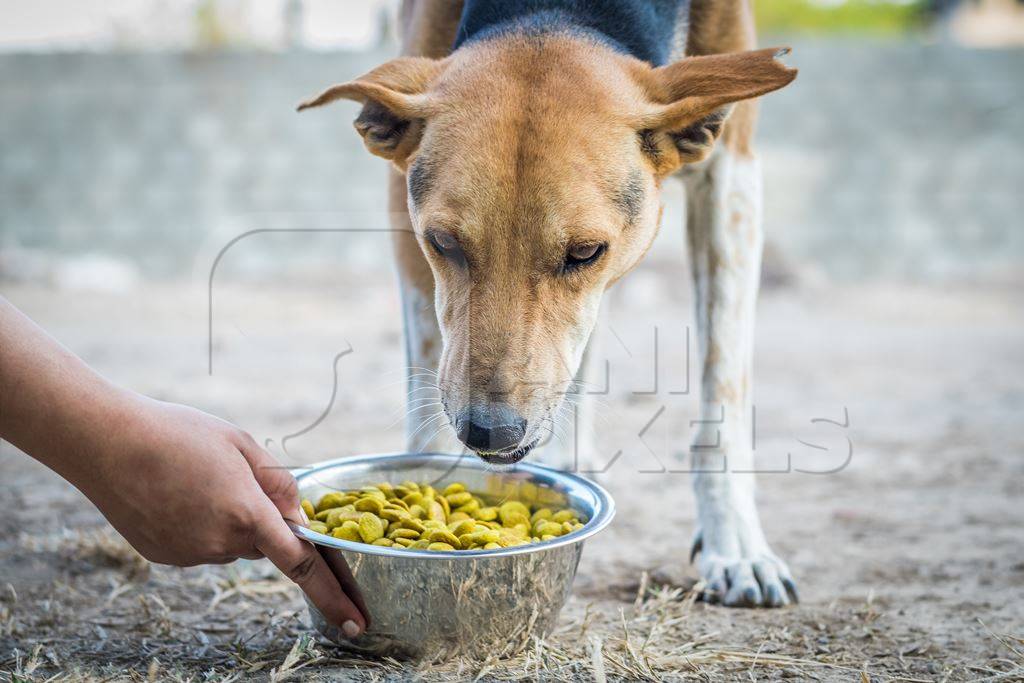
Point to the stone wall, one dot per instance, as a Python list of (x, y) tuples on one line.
[(887, 160)]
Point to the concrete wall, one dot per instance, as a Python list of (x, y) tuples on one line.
[(888, 160)]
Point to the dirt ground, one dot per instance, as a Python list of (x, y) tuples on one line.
[(909, 559)]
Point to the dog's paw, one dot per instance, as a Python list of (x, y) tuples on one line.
[(756, 579)]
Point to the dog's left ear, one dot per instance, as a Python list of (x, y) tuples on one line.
[(691, 99), (396, 103)]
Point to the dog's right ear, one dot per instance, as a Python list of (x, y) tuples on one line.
[(396, 103), (689, 101)]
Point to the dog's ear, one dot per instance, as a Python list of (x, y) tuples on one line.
[(396, 102), (689, 101)]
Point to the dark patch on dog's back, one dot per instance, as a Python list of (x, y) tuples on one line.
[(629, 197), (642, 28)]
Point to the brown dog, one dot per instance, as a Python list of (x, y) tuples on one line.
[(528, 164)]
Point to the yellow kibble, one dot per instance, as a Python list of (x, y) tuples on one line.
[(443, 536), (465, 526), (336, 516), (370, 527), (454, 487), (418, 516), (513, 512), (459, 498), (548, 529), (398, 503), (393, 514), (439, 546), (486, 514), (370, 504), (507, 537), (349, 531), (403, 533), (480, 537), (436, 512), (543, 513), (515, 520), (563, 516), (412, 523), (469, 508), (331, 500)]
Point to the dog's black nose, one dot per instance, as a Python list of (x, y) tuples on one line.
[(491, 428)]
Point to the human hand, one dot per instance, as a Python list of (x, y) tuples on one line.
[(186, 488), (181, 486)]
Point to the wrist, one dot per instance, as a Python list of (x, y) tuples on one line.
[(99, 428)]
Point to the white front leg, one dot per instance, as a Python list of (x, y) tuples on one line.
[(725, 238)]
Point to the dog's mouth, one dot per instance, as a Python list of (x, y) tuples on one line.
[(506, 457)]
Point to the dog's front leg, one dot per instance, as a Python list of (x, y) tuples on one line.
[(427, 427), (725, 239)]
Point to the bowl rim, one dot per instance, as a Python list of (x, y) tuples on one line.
[(605, 509)]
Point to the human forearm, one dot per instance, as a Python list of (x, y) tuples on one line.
[(183, 487), (52, 405)]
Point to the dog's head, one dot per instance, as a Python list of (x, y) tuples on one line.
[(533, 168)]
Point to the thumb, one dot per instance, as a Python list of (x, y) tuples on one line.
[(302, 563)]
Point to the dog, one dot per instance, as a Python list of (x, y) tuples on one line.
[(529, 140)]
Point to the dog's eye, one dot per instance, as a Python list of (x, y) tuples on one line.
[(446, 245), (583, 254)]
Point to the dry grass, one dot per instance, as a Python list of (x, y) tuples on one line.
[(231, 624)]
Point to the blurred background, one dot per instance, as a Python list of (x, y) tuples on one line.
[(136, 135), (166, 214), (156, 181)]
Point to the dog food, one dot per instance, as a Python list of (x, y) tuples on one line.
[(418, 516)]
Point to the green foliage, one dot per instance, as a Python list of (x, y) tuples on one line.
[(863, 17)]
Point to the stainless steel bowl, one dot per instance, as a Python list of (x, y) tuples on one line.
[(439, 604)]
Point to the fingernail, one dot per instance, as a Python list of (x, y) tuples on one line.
[(350, 629), (302, 516)]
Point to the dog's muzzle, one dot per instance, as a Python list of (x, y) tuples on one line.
[(495, 431), (506, 458)]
